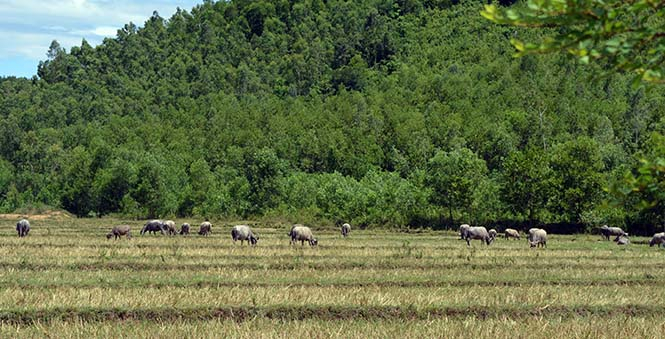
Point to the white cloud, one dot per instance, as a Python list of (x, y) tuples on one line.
[(56, 28), (105, 31), (27, 27), (32, 46)]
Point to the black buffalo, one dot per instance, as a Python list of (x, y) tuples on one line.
[(23, 227), (155, 226)]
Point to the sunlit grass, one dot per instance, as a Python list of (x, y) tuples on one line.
[(54, 281)]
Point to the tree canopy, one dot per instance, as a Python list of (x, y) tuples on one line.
[(618, 35), (376, 112)]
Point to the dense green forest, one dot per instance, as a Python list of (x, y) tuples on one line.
[(380, 112)]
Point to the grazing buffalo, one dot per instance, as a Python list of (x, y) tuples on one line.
[(154, 226), (622, 240), (346, 229), (479, 233), (302, 234), (462, 231), (119, 231), (606, 232), (537, 237), (242, 233), (493, 233), (23, 227), (170, 227), (205, 229), (658, 239), (294, 226), (184, 229), (511, 233)]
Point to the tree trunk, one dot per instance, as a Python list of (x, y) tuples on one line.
[(450, 211)]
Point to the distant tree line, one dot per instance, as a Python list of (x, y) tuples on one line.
[(395, 113)]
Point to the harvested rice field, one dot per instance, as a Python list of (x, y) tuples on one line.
[(66, 280)]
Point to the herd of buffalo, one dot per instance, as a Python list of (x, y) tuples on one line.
[(536, 237), (243, 233)]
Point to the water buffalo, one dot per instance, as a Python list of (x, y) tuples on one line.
[(302, 234), (462, 231), (622, 240), (658, 239), (205, 229), (154, 226), (346, 229), (606, 232), (511, 233), (294, 226), (170, 227), (119, 231), (479, 233), (184, 229), (242, 233), (537, 237), (23, 227), (493, 233)]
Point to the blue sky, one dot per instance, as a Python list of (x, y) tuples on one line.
[(27, 27)]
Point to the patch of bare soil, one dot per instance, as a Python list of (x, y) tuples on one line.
[(41, 216)]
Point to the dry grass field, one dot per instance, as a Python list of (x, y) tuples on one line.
[(67, 280)]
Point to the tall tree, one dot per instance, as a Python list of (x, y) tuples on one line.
[(527, 185), (453, 177)]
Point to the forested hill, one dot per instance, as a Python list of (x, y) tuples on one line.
[(375, 112)]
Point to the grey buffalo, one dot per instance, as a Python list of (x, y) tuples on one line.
[(154, 226), (119, 231), (242, 233), (537, 237), (302, 234), (205, 228), (23, 227), (511, 233), (346, 229), (184, 229), (477, 233), (606, 232), (462, 231), (658, 239), (622, 240), (170, 227), (493, 233), (294, 226)]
